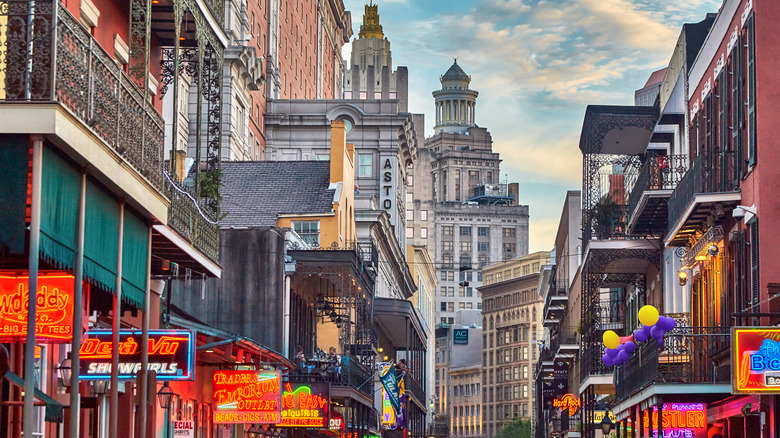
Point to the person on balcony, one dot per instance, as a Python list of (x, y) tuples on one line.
[(300, 360), (400, 368), (334, 362)]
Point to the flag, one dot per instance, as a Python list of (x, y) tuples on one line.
[(390, 383)]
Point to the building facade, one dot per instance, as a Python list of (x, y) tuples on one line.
[(512, 325)]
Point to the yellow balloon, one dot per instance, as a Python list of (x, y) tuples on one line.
[(648, 315), (611, 339)]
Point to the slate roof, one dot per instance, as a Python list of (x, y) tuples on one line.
[(254, 193), (456, 73)]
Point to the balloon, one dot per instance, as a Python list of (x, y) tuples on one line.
[(611, 352), (657, 332), (667, 323), (608, 361), (611, 339), (624, 339), (629, 346), (641, 334), (622, 357), (648, 315)]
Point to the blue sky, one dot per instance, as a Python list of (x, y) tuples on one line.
[(536, 65)]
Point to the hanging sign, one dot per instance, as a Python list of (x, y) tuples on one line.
[(389, 382), (171, 354), (755, 366), (53, 309), (567, 401), (183, 429), (679, 419), (306, 405), (245, 396), (460, 336)]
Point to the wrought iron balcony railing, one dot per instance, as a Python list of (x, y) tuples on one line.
[(47, 56), (712, 172), (657, 173), (563, 336), (684, 358), (414, 387), (192, 218), (350, 373)]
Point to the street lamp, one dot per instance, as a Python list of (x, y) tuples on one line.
[(165, 396), (251, 432), (65, 371), (606, 424)]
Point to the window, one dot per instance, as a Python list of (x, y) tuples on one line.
[(510, 232), (423, 215), (366, 165), (483, 246), (461, 291), (461, 306), (423, 233), (309, 231), (322, 157), (465, 245), (525, 391), (509, 248), (409, 232), (446, 230), (410, 180), (443, 306), (751, 89), (465, 231), (525, 371), (451, 291), (409, 215), (525, 353), (450, 306), (446, 245), (469, 305), (443, 292), (469, 291)]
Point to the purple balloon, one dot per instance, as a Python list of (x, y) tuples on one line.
[(607, 360), (629, 346), (657, 332), (622, 357), (667, 323), (641, 335), (661, 342), (611, 352)]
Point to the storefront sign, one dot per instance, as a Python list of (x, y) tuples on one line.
[(598, 416), (171, 354), (183, 429), (688, 420), (247, 397), (568, 401), (53, 309), (460, 336), (755, 359), (388, 413), (306, 405)]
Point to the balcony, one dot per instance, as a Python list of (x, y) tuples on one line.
[(648, 200), (192, 218), (415, 388), (564, 343), (555, 307), (350, 374), (683, 359), (711, 186), (64, 65)]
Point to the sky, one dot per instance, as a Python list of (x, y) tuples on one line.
[(536, 64)]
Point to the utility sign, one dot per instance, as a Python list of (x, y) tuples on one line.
[(460, 336)]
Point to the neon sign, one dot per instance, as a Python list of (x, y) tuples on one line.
[(306, 405), (171, 354), (53, 308), (247, 397), (684, 420), (755, 360), (568, 401)]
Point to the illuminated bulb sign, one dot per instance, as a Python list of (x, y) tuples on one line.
[(683, 420), (755, 359), (242, 396), (568, 401), (53, 309), (171, 354), (306, 405)]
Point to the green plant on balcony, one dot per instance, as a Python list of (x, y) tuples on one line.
[(210, 184), (605, 216)]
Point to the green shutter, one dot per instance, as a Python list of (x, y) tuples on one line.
[(751, 109), (101, 237), (14, 163), (135, 253), (59, 206)]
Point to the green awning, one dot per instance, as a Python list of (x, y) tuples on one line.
[(53, 408)]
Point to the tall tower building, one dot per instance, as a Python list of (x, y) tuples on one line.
[(371, 74)]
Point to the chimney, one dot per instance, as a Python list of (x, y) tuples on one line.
[(514, 190)]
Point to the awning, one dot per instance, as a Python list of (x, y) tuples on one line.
[(53, 408)]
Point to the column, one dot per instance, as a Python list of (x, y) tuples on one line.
[(660, 418)]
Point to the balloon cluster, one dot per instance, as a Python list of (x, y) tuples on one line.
[(618, 350)]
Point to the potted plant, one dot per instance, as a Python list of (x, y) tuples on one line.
[(605, 216)]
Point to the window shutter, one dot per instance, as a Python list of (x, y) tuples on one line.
[(751, 109), (737, 101), (755, 285)]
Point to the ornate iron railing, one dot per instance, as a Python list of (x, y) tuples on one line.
[(414, 387), (192, 217), (714, 172), (47, 56), (683, 358), (349, 373), (657, 173), (563, 336)]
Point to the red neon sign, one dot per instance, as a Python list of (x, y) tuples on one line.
[(247, 397), (755, 365), (53, 309), (568, 401), (679, 419), (306, 405)]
